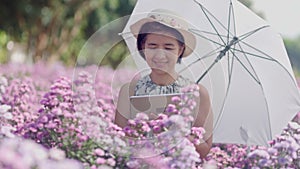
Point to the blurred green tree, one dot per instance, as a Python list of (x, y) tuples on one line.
[(249, 4), (3, 48), (293, 50), (52, 30), (56, 29)]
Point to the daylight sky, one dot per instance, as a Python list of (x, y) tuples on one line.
[(282, 15)]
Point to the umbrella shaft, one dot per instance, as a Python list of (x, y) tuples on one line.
[(207, 71), (226, 49), (219, 57)]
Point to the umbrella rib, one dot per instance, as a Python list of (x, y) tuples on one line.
[(233, 16), (255, 78), (245, 35), (228, 22), (248, 60), (259, 56), (205, 11), (206, 32), (231, 12), (195, 31), (201, 58), (211, 53), (270, 57)]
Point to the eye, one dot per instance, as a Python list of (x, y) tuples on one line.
[(168, 48), (151, 46)]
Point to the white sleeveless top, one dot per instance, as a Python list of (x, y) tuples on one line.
[(145, 86)]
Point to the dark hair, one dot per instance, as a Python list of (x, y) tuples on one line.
[(155, 27)]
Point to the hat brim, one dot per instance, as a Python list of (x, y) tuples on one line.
[(189, 38)]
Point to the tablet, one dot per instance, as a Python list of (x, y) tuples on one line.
[(154, 104)]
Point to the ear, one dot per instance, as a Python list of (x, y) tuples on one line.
[(142, 51), (181, 50)]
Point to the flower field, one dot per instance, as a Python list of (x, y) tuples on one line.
[(51, 117)]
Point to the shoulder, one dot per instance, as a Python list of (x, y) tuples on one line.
[(123, 102), (128, 88), (203, 91)]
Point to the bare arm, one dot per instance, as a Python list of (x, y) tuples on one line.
[(204, 119), (123, 109)]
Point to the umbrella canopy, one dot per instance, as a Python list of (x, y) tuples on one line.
[(240, 60)]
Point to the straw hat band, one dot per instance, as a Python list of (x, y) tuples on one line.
[(169, 21)]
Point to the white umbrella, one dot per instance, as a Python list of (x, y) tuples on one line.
[(241, 61)]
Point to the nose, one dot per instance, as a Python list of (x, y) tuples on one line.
[(160, 54)]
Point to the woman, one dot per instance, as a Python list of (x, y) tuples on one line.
[(163, 40)]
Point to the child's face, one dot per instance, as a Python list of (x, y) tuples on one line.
[(162, 52)]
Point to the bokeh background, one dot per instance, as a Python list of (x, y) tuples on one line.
[(69, 124), (54, 31)]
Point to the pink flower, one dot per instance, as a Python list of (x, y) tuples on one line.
[(99, 152), (176, 99), (142, 116), (111, 162), (100, 160)]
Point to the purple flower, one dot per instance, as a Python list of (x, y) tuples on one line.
[(171, 108)]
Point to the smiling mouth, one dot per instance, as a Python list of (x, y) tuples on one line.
[(160, 63)]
